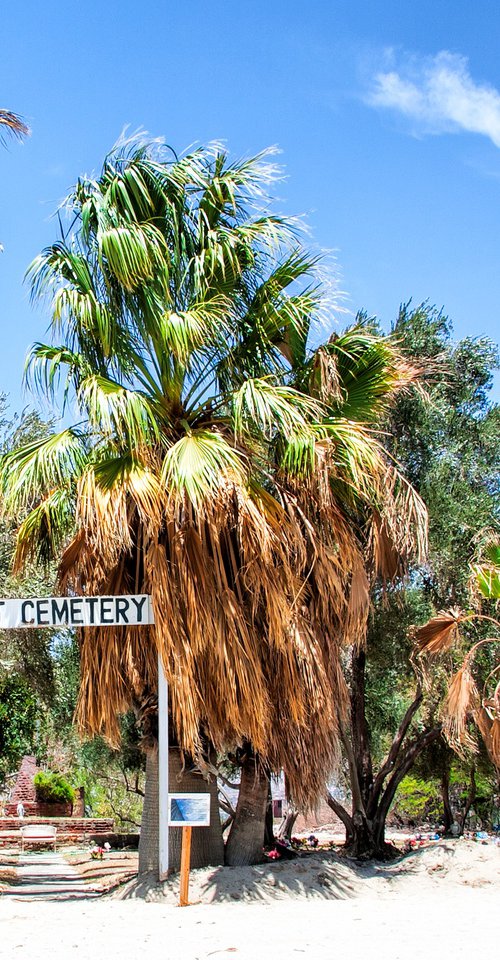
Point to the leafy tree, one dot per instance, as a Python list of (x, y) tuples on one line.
[(18, 723), (53, 788), (446, 440)]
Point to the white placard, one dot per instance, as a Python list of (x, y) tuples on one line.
[(76, 612), (189, 809)]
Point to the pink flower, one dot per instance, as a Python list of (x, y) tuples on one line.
[(273, 855)]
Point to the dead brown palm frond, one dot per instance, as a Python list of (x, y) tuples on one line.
[(387, 560), (461, 700), (495, 741), (358, 606), (399, 526), (13, 124), (326, 375), (484, 724), (439, 633), (240, 651)]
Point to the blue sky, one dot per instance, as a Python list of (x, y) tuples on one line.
[(387, 115)]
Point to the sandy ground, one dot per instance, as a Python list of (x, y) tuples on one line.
[(441, 899)]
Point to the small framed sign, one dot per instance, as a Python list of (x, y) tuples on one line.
[(189, 809)]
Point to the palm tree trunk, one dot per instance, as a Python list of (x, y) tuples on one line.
[(150, 823), (207, 848), (246, 838)]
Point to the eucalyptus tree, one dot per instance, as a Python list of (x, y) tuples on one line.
[(174, 299)]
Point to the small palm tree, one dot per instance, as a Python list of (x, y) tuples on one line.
[(473, 693)]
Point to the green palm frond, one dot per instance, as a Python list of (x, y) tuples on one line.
[(195, 466), (368, 372), (130, 477), (486, 573), (114, 410), (272, 409), (356, 453), (45, 363), (352, 455), (132, 252), (36, 468), (58, 264), (45, 528), (298, 454), (205, 322)]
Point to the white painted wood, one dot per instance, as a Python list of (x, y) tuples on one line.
[(163, 769)]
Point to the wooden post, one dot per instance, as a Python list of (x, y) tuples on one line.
[(185, 865)]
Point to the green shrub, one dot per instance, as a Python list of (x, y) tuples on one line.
[(417, 800), (53, 788)]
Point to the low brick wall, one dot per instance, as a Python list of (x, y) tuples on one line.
[(32, 808), (69, 829)]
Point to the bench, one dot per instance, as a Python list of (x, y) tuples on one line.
[(38, 833)]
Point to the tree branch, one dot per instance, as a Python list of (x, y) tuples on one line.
[(342, 814), (225, 803), (392, 756), (405, 764), (228, 783), (357, 799)]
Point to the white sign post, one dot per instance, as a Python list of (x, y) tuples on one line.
[(163, 769)]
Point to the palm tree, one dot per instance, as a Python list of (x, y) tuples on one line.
[(174, 299), (362, 507)]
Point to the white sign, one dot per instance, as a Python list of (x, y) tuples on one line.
[(189, 809), (76, 612)]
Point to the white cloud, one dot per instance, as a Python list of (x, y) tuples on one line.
[(440, 94)]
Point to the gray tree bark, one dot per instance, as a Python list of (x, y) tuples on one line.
[(246, 837), (207, 848)]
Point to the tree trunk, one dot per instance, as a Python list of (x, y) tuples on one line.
[(207, 846), (246, 838), (150, 822), (471, 796), (448, 817), (286, 826), (269, 837), (359, 726), (366, 835)]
